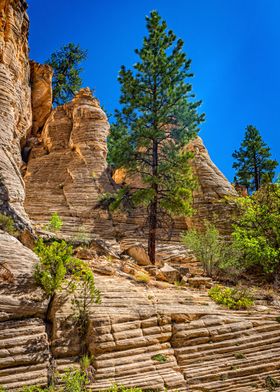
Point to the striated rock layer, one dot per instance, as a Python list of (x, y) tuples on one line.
[(156, 338), (67, 169), (41, 97), (15, 105), (24, 350), (214, 196)]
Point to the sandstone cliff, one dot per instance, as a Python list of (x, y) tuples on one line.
[(67, 169), (205, 347), (15, 104)]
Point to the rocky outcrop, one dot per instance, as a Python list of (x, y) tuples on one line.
[(15, 104), (214, 196), (157, 338), (41, 94), (24, 348), (24, 351), (67, 169)]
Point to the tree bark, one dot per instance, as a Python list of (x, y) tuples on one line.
[(256, 174), (153, 208)]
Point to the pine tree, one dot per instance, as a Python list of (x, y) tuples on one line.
[(66, 77), (253, 164), (158, 118)]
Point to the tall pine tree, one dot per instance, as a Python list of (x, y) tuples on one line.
[(66, 72), (252, 161), (158, 118)]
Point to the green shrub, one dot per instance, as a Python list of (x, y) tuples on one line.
[(117, 388), (55, 223), (257, 230), (271, 383), (7, 224), (232, 298), (159, 357), (142, 277), (215, 254), (86, 361), (239, 355), (58, 268), (33, 388), (74, 381)]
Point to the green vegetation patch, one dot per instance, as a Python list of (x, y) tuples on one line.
[(232, 298), (160, 358)]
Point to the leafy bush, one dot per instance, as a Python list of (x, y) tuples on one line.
[(143, 277), (55, 223), (117, 388), (215, 254), (74, 381), (257, 230), (271, 383), (159, 357), (57, 268), (7, 224), (32, 388), (232, 298)]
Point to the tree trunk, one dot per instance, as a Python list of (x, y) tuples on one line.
[(153, 208), (256, 174), (152, 232)]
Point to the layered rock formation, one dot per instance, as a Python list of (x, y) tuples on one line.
[(158, 338), (23, 340), (41, 94), (15, 104), (67, 169), (24, 350), (150, 335), (214, 196)]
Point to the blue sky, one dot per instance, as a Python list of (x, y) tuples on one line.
[(234, 46)]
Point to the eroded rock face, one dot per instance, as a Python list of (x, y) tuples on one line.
[(212, 197), (156, 338), (41, 88), (15, 104), (67, 169), (24, 358)]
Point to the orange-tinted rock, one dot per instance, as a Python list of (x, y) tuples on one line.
[(67, 169), (15, 104), (41, 94)]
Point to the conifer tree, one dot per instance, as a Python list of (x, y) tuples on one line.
[(252, 161), (66, 72), (158, 118)]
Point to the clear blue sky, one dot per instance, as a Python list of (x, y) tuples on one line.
[(234, 46)]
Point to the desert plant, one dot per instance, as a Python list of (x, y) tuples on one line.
[(66, 66), (232, 298), (33, 388), (179, 284), (157, 119), (159, 357), (119, 388), (57, 269), (215, 254), (256, 231), (271, 383), (74, 381), (55, 223), (7, 224), (143, 277), (239, 355)]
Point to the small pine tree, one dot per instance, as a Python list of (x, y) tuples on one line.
[(252, 161), (66, 77), (158, 118)]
